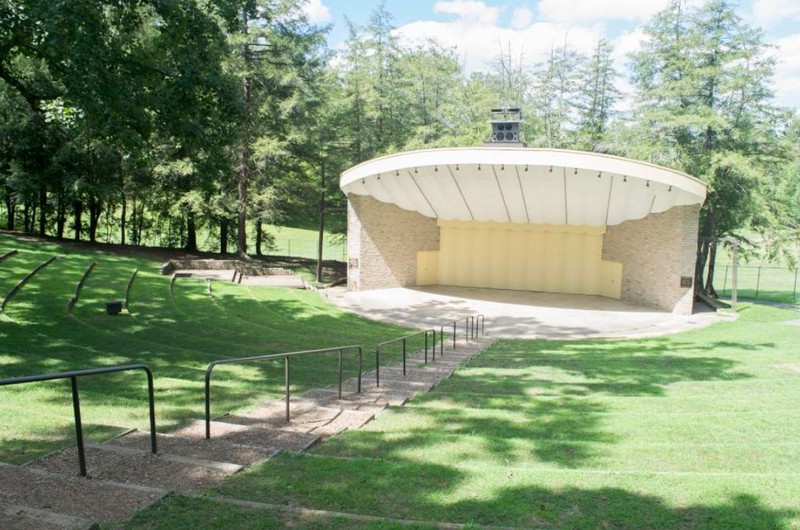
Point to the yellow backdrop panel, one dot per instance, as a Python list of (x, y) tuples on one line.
[(559, 259)]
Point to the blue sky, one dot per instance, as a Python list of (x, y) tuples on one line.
[(477, 28)]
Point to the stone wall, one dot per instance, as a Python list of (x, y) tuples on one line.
[(656, 252), (382, 243)]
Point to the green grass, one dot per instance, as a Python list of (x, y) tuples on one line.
[(286, 241), (694, 430), (176, 333), (300, 242), (759, 282)]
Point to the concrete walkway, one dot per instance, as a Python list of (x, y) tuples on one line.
[(517, 314)]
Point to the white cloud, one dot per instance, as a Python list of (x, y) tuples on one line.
[(626, 44), (521, 18), (769, 13), (317, 12), (478, 38), (587, 11), (468, 10), (787, 71)]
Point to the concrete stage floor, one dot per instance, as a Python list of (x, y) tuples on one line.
[(517, 314)]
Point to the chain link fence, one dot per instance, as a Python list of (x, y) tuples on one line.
[(758, 282), (307, 248)]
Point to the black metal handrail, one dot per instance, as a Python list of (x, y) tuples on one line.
[(472, 324), (285, 356), (76, 403), (404, 340)]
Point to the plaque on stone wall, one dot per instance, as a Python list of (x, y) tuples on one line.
[(352, 263), (686, 281)]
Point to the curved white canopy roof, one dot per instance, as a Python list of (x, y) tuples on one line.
[(522, 185)]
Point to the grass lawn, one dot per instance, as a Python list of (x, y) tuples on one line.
[(694, 430), (177, 333)]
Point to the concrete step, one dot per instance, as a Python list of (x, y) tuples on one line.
[(137, 467), (272, 438), (18, 517), (413, 375), (449, 354), (329, 397), (395, 385), (313, 400), (368, 398), (210, 450), (32, 493), (399, 383), (323, 421), (423, 369)]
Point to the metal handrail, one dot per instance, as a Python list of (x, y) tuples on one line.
[(404, 340), (285, 356), (472, 325), (76, 403)]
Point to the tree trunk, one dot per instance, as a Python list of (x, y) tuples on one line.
[(134, 240), (95, 209), (711, 224), (122, 220), (191, 232), (223, 236), (78, 209), (259, 235), (700, 264), (33, 217), (61, 215), (11, 209), (138, 227), (712, 259), (707, 252), (244, 177), (42, 207), (244, 156), (26, 216)]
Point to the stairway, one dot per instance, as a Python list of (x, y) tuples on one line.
[(124, 476)]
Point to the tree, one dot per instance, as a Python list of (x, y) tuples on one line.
[(276, 56), (596, 98), (703, 85), (556, 85)]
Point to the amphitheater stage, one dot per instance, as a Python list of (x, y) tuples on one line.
[(517, 314)]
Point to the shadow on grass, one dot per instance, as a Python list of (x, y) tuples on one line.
[(626, 368), (566, 433), (177, 344), (430, 492)]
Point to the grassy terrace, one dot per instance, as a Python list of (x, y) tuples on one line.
[(696, 430), (176, 334)]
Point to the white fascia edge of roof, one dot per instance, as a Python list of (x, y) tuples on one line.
[(511, 156)]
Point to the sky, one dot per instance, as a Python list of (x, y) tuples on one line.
[(476, 29)]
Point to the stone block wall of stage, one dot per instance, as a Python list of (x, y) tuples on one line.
[(656, 253), (382, 243)]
